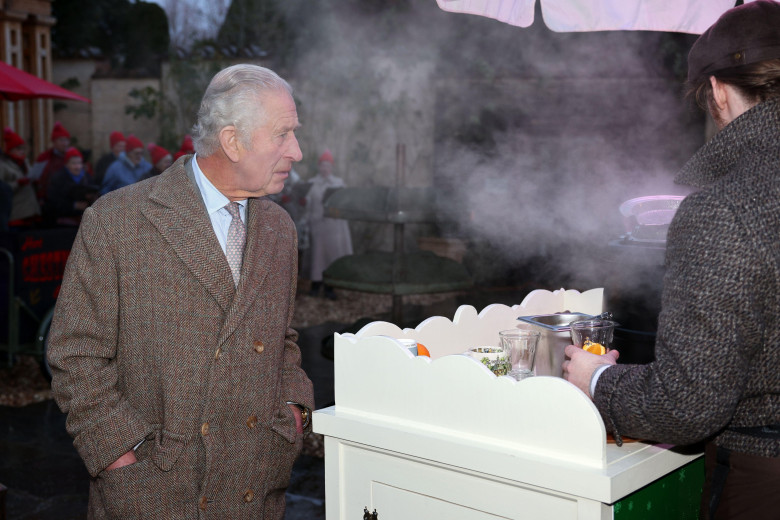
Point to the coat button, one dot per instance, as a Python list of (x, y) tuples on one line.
[(218, 354), (249, 496), (259, 347), (252, 421), (204, 429), (202, 503)]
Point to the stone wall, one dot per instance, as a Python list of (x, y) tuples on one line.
[(90, 124)]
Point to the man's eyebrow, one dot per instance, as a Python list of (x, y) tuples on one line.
[(288, 128)]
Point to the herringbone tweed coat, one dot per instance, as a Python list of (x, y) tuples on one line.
[(718, 343), (151, 339)]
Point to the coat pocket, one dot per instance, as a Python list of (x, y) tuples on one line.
[(124, 491), (284, 424)]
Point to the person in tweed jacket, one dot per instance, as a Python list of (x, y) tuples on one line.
[(182, 383), (715, 374)]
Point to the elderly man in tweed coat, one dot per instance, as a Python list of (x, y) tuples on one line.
[(181, 378), (715, 376)]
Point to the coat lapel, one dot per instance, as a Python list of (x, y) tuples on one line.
[(176, 209)]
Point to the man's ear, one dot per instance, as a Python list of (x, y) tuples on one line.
[(228, 140)]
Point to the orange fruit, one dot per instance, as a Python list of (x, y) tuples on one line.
[(594, 348), (422, 351)]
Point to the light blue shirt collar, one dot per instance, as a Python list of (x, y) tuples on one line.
[(212, 197), (215, 202)]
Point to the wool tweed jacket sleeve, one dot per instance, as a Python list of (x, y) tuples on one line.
[(151, 340), (718, 344)]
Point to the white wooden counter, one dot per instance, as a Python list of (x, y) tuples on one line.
[(444, 438)]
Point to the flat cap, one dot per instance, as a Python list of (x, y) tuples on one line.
[(745, 34)]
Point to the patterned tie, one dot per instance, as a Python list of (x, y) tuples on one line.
[(235, 241)]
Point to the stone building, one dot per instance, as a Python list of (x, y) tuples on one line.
[(25, 43)]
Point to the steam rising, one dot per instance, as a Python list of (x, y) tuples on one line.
[(532, 138)]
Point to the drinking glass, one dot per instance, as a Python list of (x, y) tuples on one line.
[(593, 331), (520, 347)]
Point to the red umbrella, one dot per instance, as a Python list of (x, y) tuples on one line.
[(16, 84)]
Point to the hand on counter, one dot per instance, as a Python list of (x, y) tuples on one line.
[(579, 366)]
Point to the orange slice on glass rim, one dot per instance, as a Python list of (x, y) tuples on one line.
[(594, 348)]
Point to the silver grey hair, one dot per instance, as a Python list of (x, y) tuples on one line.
[(232, 99)]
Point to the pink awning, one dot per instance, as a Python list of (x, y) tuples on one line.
[(687, 16), (16, 84)]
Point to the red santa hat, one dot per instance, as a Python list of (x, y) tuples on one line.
[(326, 157), (116, 137), (186, 144), (12, 139), (133, 142), (72, 152), (186, 147), (157, 153), (59, 131)]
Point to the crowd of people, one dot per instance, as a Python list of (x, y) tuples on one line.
[(61, 183)]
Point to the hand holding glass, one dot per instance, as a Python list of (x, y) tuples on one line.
[(520, 347), (593, 334)]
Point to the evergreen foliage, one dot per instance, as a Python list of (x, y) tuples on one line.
[(132, 36)]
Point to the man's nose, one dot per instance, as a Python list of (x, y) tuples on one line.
[(295, 150)]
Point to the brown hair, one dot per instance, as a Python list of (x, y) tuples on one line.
[(757, 82)]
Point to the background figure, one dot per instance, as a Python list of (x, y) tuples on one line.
[(118, 143), (128, 169), (16, 149), (22, 206), (161, 160), (330, 237), (293, 199), (71, 191), (50, 161), (715, 373), (186, 147), (171, 348)]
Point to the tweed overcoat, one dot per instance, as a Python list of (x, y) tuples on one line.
[(152, 340), (717, 350)]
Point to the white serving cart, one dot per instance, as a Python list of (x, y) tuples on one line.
[(444, 438)]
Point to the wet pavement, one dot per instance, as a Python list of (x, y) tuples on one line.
[(46, 479)]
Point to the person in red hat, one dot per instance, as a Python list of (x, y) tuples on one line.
[(161, 160), (186, 147), (50, 161), (128, 169), (22, 206), (16, 149), (71, 190), (118, 142), (329, 237), (715, 379)]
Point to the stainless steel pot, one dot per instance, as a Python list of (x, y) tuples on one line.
[(556, 334)]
